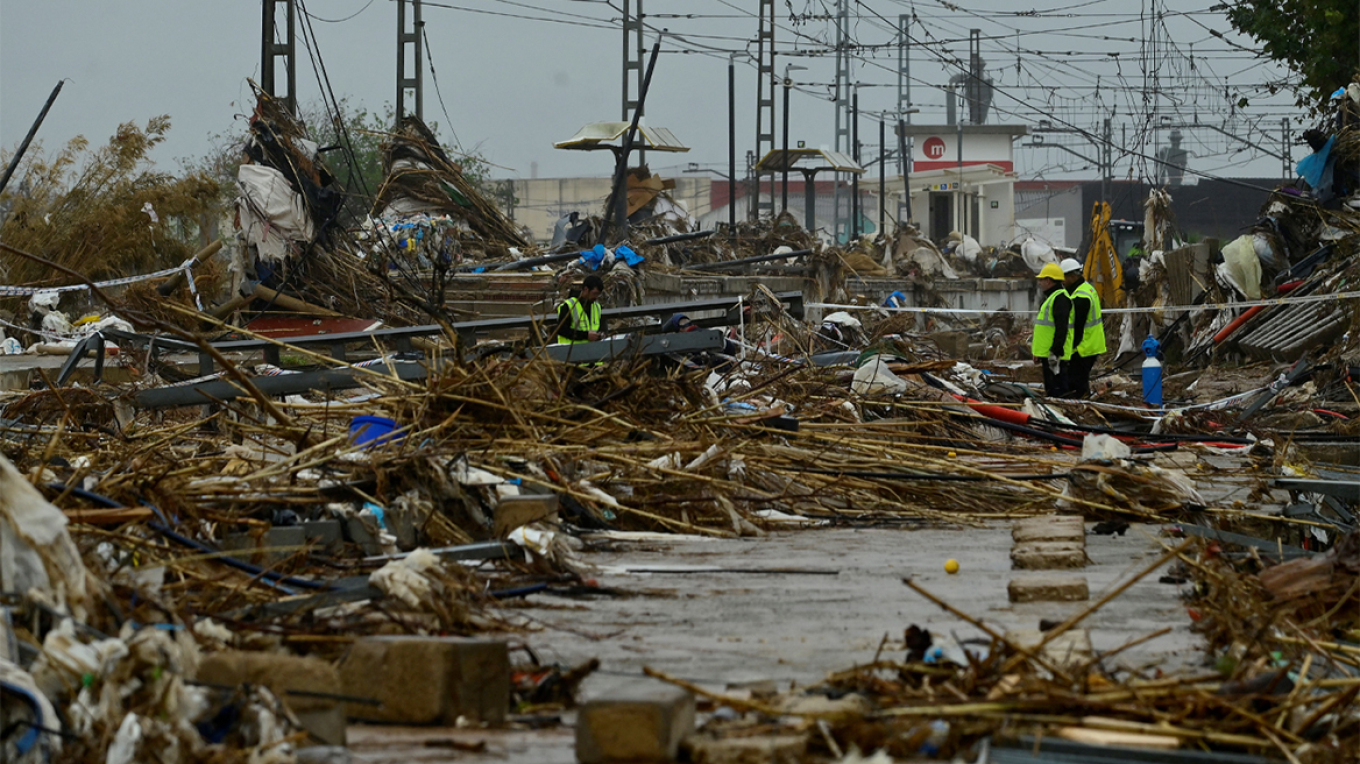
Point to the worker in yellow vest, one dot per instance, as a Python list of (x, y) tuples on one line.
[(1088, 332), (1052, 343), (578, 317)]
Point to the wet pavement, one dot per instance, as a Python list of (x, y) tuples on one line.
[(715, 628)]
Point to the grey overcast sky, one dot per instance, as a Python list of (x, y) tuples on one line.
[(515, 75)]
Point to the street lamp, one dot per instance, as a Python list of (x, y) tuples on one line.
[(788, 85)]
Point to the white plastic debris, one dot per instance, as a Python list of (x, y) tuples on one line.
[(42, 302), (875, 378), (1037, 254), (707, 456), (668, 462), (16, 678), (1103, 447), (125, 744), (968, 249), (468, 475), (841, 318), (36, 551), (407, 579)]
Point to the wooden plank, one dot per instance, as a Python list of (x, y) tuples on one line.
[(116, 516)]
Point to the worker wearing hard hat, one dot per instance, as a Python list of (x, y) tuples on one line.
[(1088, 332), (1052, 343)]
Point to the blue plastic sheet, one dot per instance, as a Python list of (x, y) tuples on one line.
[(1312, 167), (594, 257), (629, 256)]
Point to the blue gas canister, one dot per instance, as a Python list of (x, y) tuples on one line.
[(1152, 372)]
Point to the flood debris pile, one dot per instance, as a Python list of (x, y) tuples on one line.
[(297, 527), (429, 208)]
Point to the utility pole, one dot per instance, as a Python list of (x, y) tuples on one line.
[(840, 228), (904, 162), (854, 179), (633, 54), (882, 176), (973, 89), (904, 109), (410, 79), (620, 192), (765, 82), (1106, 154), (732, 145), (784, 153), (1286, 156), (904, 65), (271, 51)]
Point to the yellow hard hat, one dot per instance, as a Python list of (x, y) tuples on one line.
[(1051, 271)]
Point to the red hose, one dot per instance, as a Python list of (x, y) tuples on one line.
[(1227, 331), (996, 412)]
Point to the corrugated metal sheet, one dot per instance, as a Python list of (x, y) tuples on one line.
[(1289, 331)]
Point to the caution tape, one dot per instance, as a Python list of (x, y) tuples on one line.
[(15, 291), (1304, 300)]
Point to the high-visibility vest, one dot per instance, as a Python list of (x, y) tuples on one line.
[(1093, 333), (1045, 328), (582, 319)]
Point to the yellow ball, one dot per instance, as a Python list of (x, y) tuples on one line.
[(951, 566), (951, 453)]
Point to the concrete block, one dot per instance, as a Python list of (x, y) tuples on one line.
[(762, 749), (357, 531), (479, 680), (291, 536), (952, 344), (325, 533), (1049, 528), (1071, 649), (1048, 587), (641, 722), (322, 717), (1048, 555), (428, 680), (515, 511)]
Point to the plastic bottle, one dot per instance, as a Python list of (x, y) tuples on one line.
[(1152, 373)]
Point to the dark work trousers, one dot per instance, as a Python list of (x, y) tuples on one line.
[(1079, 375), (1055, 383)]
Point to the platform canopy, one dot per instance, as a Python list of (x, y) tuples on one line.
[(597, 135), (800, 160)]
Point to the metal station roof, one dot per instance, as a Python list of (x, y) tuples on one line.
[(808, 159), (596, 135)]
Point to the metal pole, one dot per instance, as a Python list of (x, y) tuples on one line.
[(732, 145), (1284, 148), (626, 59), (621, 171), (905, 164), (959, 222), (882, 175), (854, 179), (809, 200), (1105, 170), (14, 162), (784, 155)]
